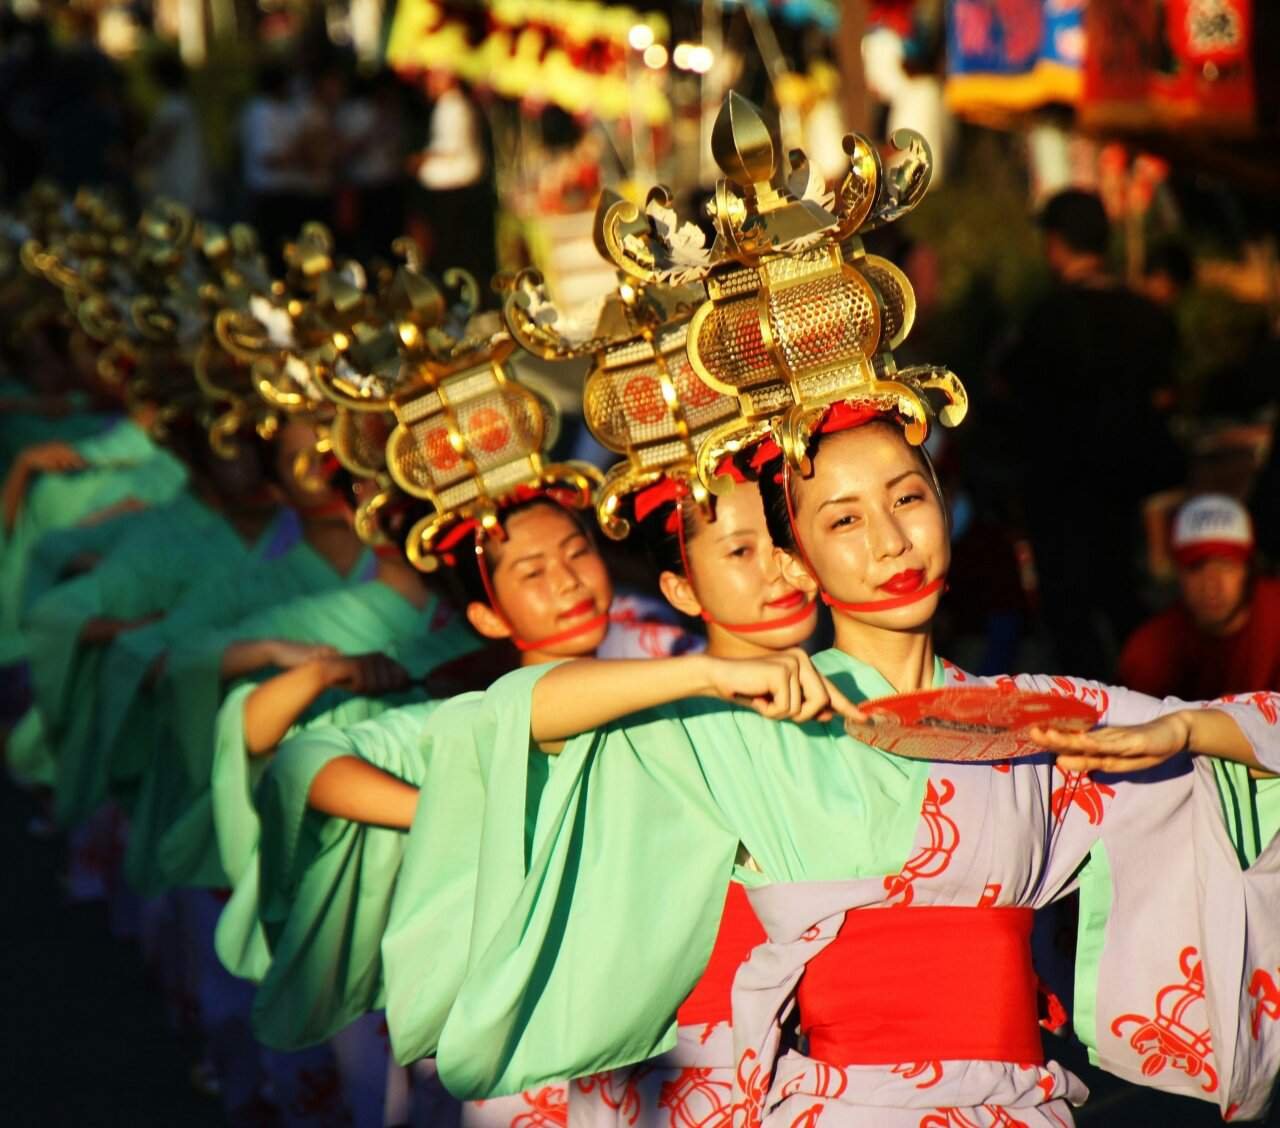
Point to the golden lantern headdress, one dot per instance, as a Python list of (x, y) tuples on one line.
[(641, 398), (234, 272), (798, 316), (280, 332), (141, 308), (471, 439), (409, 324)]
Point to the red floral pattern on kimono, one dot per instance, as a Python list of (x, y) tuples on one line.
[(1017, 838)]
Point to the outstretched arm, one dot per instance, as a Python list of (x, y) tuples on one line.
[(1133, 748), (351, 788), (51, 457), (275, 706), (589, 693), (253, 654)]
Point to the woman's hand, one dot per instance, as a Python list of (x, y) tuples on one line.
[(782, 686), (370, 675), (1119, 748), (53, 458)]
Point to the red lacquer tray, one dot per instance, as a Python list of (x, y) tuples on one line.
[(977, 724)]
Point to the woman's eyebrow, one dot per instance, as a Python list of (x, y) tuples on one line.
[(529, 556), (840, 500), (905, 474), (858, 497)]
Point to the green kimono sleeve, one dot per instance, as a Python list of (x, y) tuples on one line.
[(123, 463), (126, 718), (172, 839), (327, 883), (165, 578), (499, 928), (239, 940)]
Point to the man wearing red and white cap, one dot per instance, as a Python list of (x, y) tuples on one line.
[(1223, 636)]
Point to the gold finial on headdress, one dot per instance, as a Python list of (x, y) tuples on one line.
[(641, 398), (797, 316)]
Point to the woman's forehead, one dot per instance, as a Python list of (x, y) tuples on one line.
[(739, 509), (539, 527), (863, 459)]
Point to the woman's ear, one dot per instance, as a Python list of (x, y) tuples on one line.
[(795, 572), (678, 591), (487, 622)]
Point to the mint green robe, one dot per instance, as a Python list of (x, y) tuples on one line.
[(652, 813), (125, 730), (149, 574), (172, 840), (123, 463)]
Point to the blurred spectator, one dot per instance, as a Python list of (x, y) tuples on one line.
[(287, 153), (85, 134), (172, 153), (26, 99), (371, 128), (1223, 636), (1167, 273), (1083, 377), (457, 199)]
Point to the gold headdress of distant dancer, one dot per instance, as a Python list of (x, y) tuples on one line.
[(140, 305), (234, 273), (642, 398), (411, 325), (471, 439), (283, 331), (798, 315)]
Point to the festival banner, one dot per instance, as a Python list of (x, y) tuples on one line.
[(1009, 56), (1167, 63)]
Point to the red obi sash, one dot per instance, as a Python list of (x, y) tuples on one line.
[(933, 983), (740, 931)]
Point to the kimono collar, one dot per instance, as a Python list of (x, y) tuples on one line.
[(861, 680)]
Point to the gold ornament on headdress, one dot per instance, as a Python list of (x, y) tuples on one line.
[(234, 272), (282, 331), (404, 329), (470, 438), (641, 398), (798, 315)]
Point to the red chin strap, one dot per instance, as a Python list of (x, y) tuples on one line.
[(672, 490)]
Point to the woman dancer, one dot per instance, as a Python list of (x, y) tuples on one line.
[(920, 1016)]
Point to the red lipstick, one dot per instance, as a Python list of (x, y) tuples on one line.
[(787, 602), (904, 583), (586, 607)]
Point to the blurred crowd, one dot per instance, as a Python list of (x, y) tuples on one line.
[(315, 137)]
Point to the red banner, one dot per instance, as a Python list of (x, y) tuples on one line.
[(1151, 63)]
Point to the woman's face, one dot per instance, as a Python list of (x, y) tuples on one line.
[(548, 578), (736, 575), (298, 468), (871, 524)]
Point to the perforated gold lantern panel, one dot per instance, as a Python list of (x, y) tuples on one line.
[(359, 440), (646, 400), (808, 315), (474, 435)]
